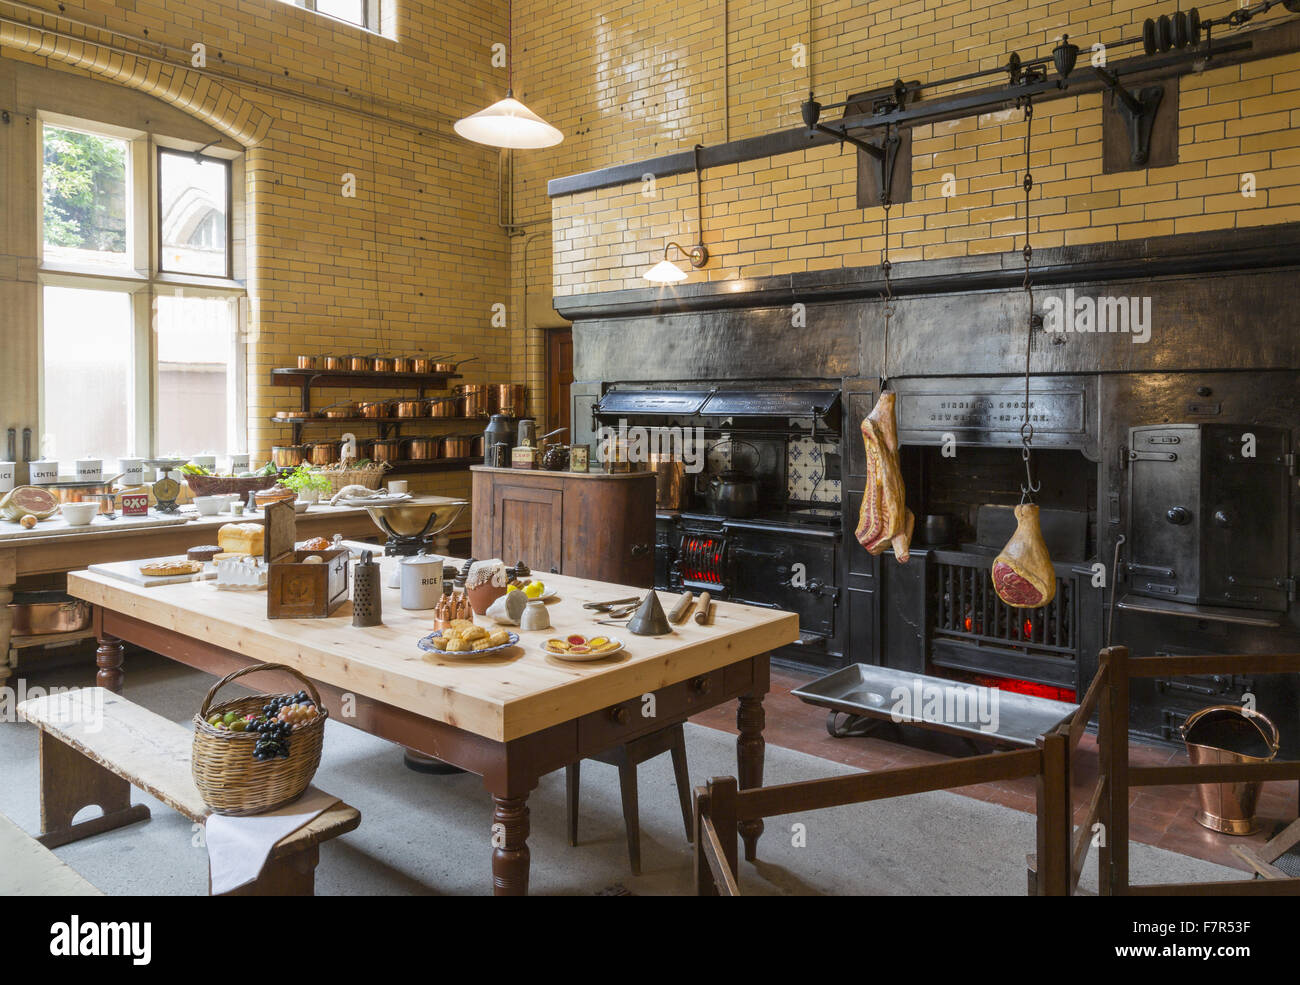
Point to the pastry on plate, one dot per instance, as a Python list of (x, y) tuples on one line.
[(164, 569)]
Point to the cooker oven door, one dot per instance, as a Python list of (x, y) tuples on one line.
[(794, 572)]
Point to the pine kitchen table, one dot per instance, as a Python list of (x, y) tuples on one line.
[(510, 717)]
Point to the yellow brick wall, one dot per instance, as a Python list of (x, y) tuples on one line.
[(416, 260), (631, 80)]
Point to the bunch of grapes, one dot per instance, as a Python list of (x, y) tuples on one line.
[(277, 722)]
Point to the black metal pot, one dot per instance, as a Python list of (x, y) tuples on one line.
[(937, 529)]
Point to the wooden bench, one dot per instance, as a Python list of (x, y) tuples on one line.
[(31, 869), (95, 745)]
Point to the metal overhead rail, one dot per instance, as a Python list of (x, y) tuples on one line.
[(898, 105)]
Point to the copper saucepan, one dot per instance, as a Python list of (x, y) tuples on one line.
[(386, 449), (342, 409), (382, 364), (510, 399), (403, 364), (288, 456), (359, 364), (442, 406), (322, 452), (422, 365), (423, 448), (473, 399), (449, 368), (456, 445), (375, 408), (334, 363), (407, 407), (306, 362)]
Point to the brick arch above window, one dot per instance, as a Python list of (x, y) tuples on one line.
[(200, 95)]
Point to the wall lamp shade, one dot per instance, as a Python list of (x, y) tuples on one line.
[(667, 272), (508, 123)]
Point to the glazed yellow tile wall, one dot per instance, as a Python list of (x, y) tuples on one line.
[(631, 80), (416, 260)]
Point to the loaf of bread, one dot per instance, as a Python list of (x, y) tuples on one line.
[(241, 538)]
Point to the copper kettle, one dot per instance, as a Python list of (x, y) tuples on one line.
[(671, 489)]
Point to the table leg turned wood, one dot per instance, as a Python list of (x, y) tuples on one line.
[(109, 658), (510, 860), (6, 627), (750, 746)]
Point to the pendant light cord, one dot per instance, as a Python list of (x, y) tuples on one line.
[(1028, 490), (510, 48)]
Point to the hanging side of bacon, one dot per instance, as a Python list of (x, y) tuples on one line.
[(884, 519), (1023, 575)]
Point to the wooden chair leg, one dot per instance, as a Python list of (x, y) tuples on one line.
[(572, 777), (631, 818), (678, 751), (71, 781)]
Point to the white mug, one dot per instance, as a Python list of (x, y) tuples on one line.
[(132, 470), (43, 472), (397, 486), (421, 581), (7, 471), (89, 469)]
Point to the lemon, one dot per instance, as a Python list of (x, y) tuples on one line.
[(511, 588), (534, 589)]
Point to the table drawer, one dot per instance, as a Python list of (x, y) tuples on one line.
[(617, 724)]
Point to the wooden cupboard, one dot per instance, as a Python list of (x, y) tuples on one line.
[(583, 524)]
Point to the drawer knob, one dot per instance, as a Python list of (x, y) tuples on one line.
[(618, 715), (702, 685)]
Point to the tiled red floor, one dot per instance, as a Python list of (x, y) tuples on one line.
[(1161, 816)]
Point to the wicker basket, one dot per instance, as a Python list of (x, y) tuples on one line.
[(222, 485), (370, 476), (229, 779)]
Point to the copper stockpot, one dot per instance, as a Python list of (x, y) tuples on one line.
[(359, 364), (510, 399), (334, 363), (342, 409), (403, 364), (456, 445), (473, 398), (423, 448), (288, 456), (306, 362), (386, 449), (383, 364), (410, 407), (375, 408), (322, 452), (442, 406)]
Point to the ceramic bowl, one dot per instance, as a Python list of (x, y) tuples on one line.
[(210, 505), (79, 514)]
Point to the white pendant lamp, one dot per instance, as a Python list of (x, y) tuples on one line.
[(508, 122)]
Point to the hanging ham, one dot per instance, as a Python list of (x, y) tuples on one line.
[(1023, 575), (884, 519)]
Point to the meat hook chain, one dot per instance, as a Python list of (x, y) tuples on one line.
[(887, 295), (1028, 490)]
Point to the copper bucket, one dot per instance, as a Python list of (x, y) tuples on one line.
[(1239, 735)]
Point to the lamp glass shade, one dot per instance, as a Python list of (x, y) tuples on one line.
[(665, 272), (508, 123)]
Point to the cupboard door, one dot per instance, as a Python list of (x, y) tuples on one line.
[(528, 525)]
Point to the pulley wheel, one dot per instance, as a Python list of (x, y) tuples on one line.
[(1180, 30), (1149, 36), (1292, 5), (1164, 33), (1194, 25)]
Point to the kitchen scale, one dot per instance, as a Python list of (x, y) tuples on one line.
[(167, 489)]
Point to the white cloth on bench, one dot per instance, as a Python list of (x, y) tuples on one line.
[(239, 846)]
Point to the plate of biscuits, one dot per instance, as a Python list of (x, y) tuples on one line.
[(580, 648), (465, 639)]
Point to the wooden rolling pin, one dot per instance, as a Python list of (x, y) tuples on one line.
[(682, 607), (705, 613)]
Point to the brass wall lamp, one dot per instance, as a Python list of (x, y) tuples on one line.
[(667, 272)]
